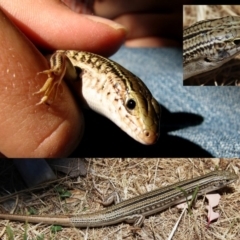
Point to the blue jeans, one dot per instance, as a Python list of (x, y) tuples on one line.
[(195, 121)]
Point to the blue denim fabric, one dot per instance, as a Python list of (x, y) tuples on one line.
[(208, 117)]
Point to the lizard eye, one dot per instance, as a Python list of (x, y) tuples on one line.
[(237, 42), (131, 104), (207, 60)]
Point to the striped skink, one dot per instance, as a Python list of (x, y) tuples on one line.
[(136, 209), (109, 89), (209, 44)]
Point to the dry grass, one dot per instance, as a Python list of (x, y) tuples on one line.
[(130, 177), (229, 73)]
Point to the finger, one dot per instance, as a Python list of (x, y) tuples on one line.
[(28, 130), (145, 25), (112, 9), (80, 6), (52, 25), (151, 42)]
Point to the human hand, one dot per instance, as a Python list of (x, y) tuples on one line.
[(150, 23), (28, 130)]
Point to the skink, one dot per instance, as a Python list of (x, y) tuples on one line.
[(209, 44), (134, 210), (109, 89)]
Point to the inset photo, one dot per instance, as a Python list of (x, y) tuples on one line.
[(211, 45)]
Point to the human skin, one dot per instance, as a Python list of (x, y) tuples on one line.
[(28, 130), (150, 23)]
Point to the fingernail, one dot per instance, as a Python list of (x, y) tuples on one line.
[(107, 22)]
